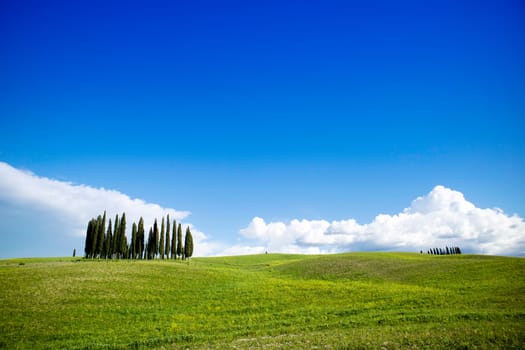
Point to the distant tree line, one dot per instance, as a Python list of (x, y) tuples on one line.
[(444, 251), (111, 242)]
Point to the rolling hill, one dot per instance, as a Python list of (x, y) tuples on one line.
[(354, 300)]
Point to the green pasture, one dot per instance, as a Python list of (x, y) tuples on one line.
[(274, 301)]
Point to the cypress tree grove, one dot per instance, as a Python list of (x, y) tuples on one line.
[(444, 251), (167, 247), (179, 242), (112, 243), (161, 242), (188, 244)]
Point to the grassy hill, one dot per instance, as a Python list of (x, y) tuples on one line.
[(357, 300)]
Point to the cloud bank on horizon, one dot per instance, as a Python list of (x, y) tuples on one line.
[(442, 217), (48, 216), (60, 211)]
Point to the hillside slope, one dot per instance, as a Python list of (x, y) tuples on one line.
[(364, 300)]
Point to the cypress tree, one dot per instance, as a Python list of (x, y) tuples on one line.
[(179, 241), (161, 242), (188, 244), (109, 241), (88, 247), (140, 236), (115, 244), (156, 237), (96, 236), (101, 235), (174, 241), (94, 252), (167, 247), (96, 223), (133, 246), (123, 238)]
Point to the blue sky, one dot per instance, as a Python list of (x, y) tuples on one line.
[(279, 110)]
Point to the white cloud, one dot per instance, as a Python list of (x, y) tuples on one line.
[(42, 216), (26, 196), (442, 217)]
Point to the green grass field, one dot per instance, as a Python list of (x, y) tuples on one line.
[(345, 301)]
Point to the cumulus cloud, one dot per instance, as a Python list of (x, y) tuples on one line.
[(42, 216), (442, 217), (60, 210)]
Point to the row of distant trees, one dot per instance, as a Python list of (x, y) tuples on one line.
[(111, 242), (444, 251)]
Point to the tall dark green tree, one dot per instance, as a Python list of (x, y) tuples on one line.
[(150, 246), (140, 238), (174, 241), (90, 231), (161, 242), (115, 244), (167, 247), (101, 235), (133, 245), (123, 238), (109, 241), (95, 237), (179, 242), (156, 235), (188, 244)]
